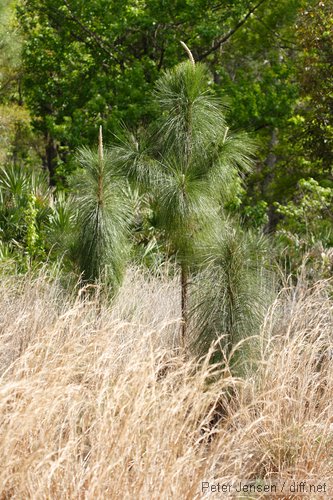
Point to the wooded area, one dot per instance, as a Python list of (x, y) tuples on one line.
[(68, 68)]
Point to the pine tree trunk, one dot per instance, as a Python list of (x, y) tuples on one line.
[(271, 163), (184, 286), (51, 154)]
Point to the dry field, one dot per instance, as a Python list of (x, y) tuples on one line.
[(99, 403)]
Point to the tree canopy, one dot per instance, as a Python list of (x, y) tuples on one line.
[(68, 67)]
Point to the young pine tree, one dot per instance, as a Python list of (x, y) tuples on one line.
[(231, 293), (188, 163), (103, 217)]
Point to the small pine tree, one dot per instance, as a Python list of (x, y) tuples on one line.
[(232, 292), (103, 216), (187, 163)]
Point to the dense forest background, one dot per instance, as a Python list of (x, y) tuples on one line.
[(69, 67)]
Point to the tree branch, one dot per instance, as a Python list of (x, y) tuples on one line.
[(275, 34), (228, 35), (98, 40)]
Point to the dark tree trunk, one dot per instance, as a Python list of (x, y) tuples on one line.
[(51, 155), (184, 290), (270, 163)]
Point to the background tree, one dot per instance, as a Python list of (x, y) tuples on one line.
[(82, 60), (10, 61), (315, 37), (18, 144), (302, 182)]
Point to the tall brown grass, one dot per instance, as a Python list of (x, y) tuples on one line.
[(98, 402)]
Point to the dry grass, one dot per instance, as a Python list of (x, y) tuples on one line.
[(98, 404)]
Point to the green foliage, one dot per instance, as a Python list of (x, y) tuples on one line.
[(60, 226), (315, 36), (308, 214), (35, 225), (33, 243), (103, 216), (10, 51), (96, 62), (21, 190), (189, 164), (256, 215), (302, 145), (231, 292), (18, 144), (148, 248), (305, 231)]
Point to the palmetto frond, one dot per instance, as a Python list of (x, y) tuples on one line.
[(17, 182)]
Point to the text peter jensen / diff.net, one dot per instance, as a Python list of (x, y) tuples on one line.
[(300, 487)]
